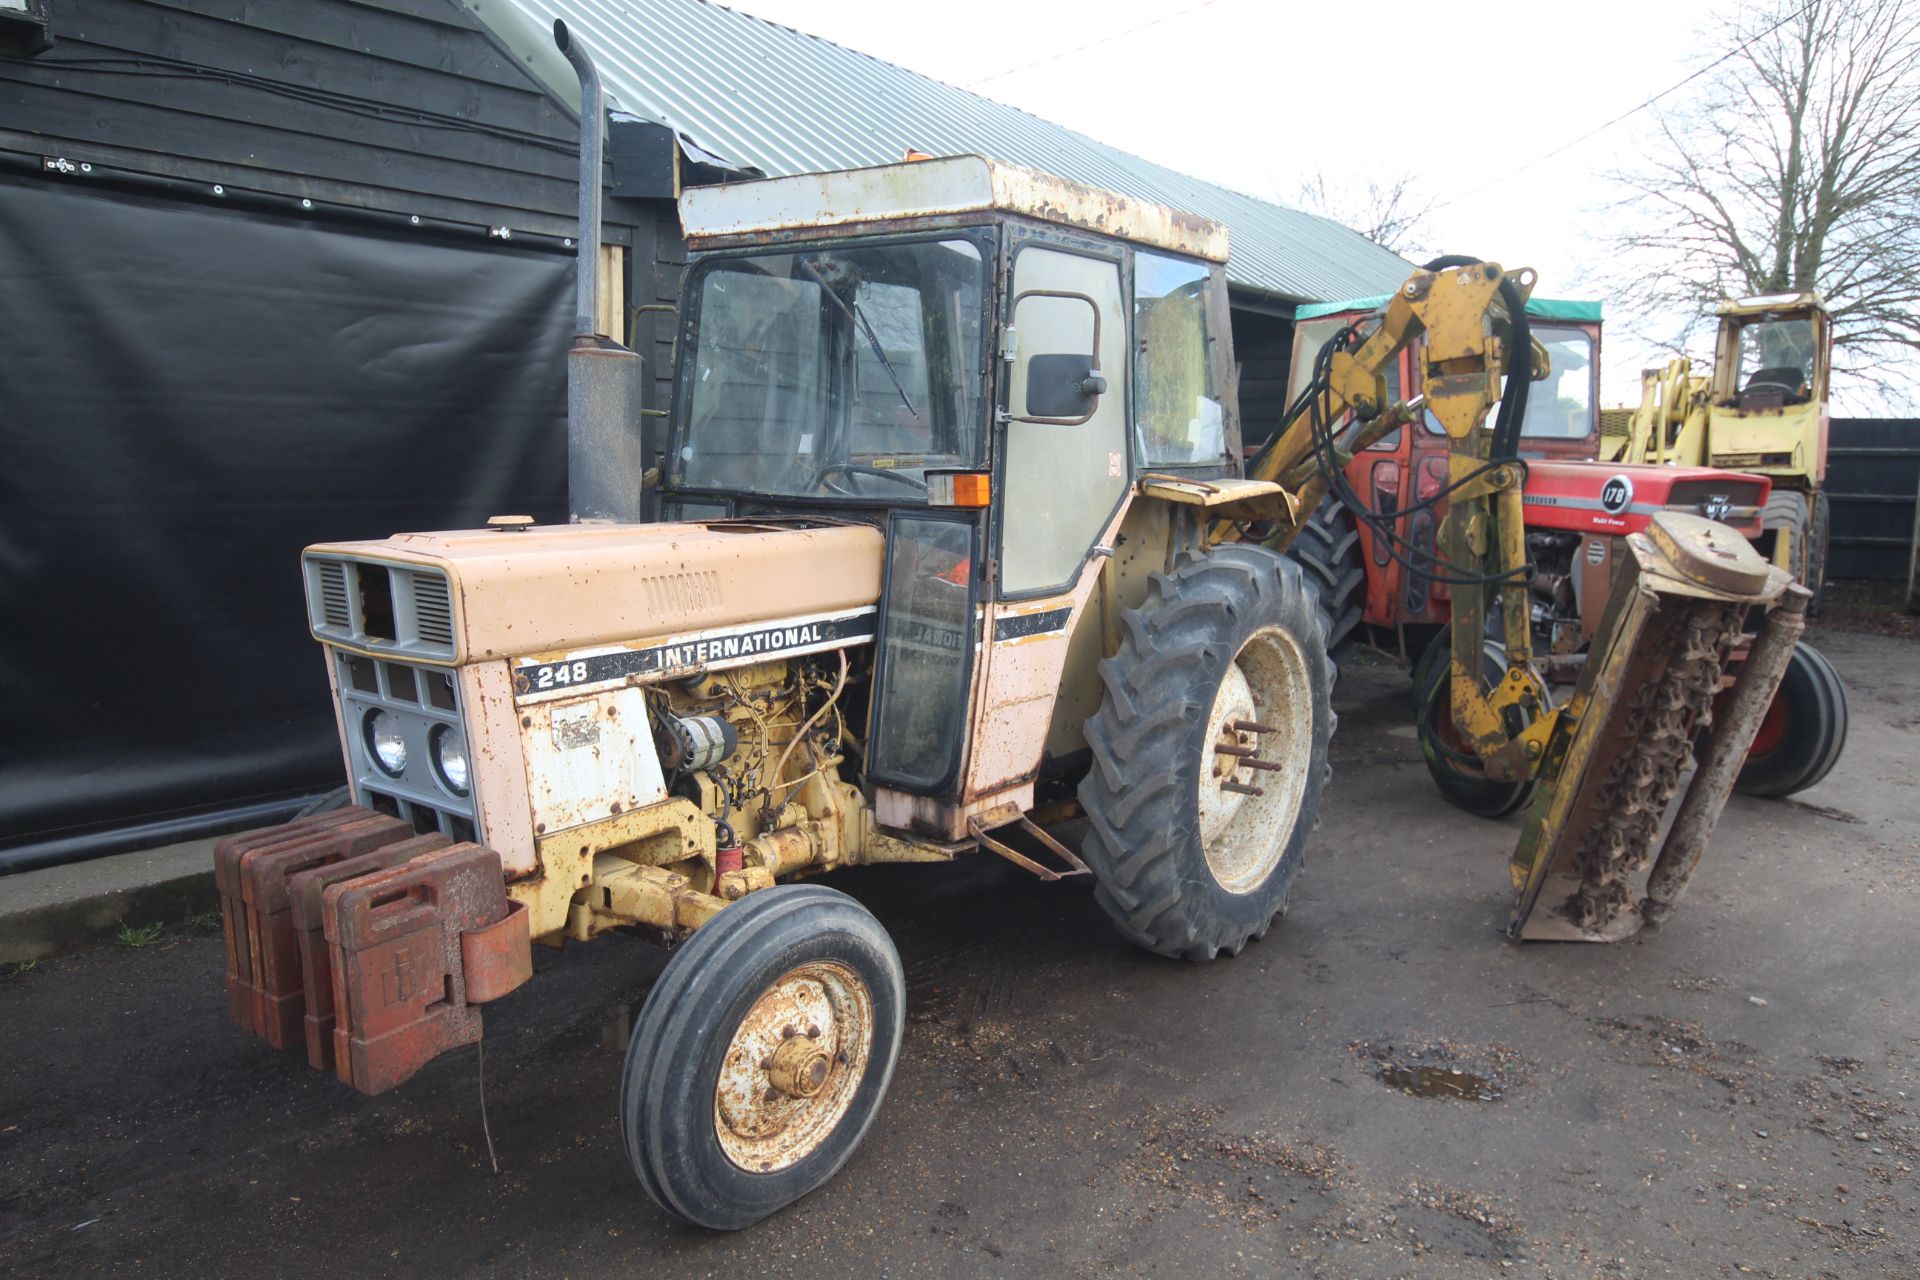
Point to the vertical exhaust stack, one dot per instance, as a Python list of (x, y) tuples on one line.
[(606, 459)]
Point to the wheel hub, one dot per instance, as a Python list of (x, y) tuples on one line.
[(798, 1068), (1259, 742), (794, 1063)]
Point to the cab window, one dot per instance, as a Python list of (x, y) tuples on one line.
[(1177, 411), (1561, 407)]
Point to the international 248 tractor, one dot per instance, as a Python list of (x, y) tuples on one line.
[(959, 547)]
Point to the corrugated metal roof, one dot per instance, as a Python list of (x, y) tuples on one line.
[(785, 102)]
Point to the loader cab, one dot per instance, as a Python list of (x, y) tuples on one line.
[(982, 362), (1767, 402), (1773, 352)]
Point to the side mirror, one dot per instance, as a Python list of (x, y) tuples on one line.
[(1060, 388)]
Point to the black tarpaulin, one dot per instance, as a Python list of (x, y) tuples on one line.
[(188, 396)]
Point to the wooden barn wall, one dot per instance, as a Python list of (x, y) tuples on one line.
[(398, 105), (426, 333)]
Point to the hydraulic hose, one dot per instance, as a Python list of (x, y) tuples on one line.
[(1503, 447)]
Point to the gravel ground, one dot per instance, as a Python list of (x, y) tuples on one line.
[(1383, 1087)]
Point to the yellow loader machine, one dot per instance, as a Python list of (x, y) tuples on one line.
[(1762, 409), (953, 554)]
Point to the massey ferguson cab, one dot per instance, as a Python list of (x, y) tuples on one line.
[(1362, 584), (959, 551)]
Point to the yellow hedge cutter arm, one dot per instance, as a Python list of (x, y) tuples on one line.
[(1612, 760)]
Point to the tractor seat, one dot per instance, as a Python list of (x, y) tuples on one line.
[(1773, 387)]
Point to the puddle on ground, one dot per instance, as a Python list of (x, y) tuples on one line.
[(1440, 1082), (1443, 1069)]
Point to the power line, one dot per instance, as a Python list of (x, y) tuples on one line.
[(1738, 49), (1093, 44)]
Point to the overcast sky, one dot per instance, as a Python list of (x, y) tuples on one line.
[(1258, 95)]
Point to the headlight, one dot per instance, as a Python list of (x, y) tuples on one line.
[(450, 758), (389, 748)]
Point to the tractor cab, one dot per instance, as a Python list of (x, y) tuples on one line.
[(983, 363)]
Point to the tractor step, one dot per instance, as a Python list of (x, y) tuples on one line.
[(1070, 863), (348, 935), (1625, 810)]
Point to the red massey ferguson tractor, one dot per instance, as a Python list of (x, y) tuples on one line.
[(1579, 511)]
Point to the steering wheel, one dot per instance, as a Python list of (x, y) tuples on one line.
[(1782, 387), (862, 469)]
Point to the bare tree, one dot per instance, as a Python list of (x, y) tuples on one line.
[(1391, 213), (1794, 165)]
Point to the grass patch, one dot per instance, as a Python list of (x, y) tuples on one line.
[(24, 968), (144, 935)]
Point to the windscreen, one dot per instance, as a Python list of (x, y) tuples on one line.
[(1561, 406), (833, 372), (1776, 355)]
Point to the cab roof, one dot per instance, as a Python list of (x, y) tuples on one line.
[(1765, 302), (952, 185)]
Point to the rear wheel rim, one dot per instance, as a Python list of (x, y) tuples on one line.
[(1773, 727), (1244, 836), (793, 1066)]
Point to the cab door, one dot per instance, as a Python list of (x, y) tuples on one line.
[(1064, 471), (1063, 454)]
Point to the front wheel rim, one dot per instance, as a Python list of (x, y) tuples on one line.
[(793, 1066), (1262, 714)]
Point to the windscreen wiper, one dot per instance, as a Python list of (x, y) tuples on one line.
[(873, 340)]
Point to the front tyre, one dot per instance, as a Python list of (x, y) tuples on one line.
[(1450, 758), (1817, 553), (1209, 753), (762, 1055)]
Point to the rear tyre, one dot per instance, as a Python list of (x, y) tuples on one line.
[(1787, 513), (1328, 548), (1194, 850), (1450, 758), (761, 1056), (1803, 732)]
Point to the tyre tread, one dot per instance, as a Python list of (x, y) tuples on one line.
[(1328, 548), (1157, 687)]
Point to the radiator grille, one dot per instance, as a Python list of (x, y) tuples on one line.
[(432, 609), (334, 609), (381, 607)]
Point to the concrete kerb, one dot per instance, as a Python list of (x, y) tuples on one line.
[(56, 910)]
